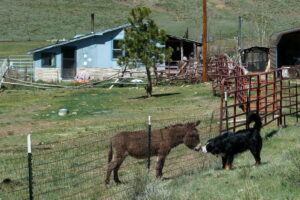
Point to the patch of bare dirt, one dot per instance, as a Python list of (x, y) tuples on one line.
[(219, 4), (26, 128), (44, 125)]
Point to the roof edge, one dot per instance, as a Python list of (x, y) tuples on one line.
[(99, 33)]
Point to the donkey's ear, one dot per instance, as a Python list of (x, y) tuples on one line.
[(197, 123)]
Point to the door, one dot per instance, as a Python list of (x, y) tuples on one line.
[(68, 63)]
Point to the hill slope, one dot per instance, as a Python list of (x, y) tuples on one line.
[(40, 19), (36, 20)]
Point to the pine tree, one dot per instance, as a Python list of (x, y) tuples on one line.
[(143, 44)]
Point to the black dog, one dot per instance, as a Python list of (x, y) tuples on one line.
[(229, 144)]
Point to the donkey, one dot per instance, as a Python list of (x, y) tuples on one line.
[(135, 144)]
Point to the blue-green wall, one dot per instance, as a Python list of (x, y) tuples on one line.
[(93, 52)]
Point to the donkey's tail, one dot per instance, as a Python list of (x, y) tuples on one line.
[(110, 152), (253, 117)]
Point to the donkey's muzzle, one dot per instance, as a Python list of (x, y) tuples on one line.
[(198, 147)]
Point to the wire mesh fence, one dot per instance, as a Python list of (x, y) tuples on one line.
[(76, 168)]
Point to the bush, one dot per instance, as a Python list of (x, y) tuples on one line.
[(146, 187)]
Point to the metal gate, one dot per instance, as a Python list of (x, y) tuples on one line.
[(268, 94)]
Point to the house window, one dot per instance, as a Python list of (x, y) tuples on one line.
[(117, 51), (48, 60)]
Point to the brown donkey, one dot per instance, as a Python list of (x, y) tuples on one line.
[(163, 140)]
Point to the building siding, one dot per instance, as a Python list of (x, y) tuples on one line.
[(94, 53), (273, 57)]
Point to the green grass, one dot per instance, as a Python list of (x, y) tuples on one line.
[(71, 151), (98, 107), (39, 20), (20, 48), (277, 178)]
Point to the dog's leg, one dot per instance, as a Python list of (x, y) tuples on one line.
[(224, 158), (256, 155), (229, 162)]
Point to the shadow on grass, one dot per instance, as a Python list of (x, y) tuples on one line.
[(168, 178), (155, 95), (250, 166), (270, 135)]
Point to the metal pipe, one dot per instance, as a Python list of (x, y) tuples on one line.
[(92, 23), (149, 143)]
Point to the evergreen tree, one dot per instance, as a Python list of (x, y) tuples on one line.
[(143, 44)]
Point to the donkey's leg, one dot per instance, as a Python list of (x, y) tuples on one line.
[(159, 165), (116, 169), (111, 166)]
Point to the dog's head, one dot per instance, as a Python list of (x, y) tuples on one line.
[(215, 145), (212, 146), (208, 147)]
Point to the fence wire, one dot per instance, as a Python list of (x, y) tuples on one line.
[(76, 168)]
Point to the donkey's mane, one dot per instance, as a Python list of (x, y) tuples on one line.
[(174, 125)]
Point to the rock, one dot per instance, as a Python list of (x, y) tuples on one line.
[(63, 112)]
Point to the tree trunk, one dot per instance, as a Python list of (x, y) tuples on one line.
[(148, 87), (155, 73), (123, 72)]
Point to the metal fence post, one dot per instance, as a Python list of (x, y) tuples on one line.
[(30, 186), (297, 114), (281, 95), (226, 112), (247, 106), (221, 112), (149, 142), (258, 94)]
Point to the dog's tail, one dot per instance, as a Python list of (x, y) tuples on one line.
[(110, 152), (253, 117)]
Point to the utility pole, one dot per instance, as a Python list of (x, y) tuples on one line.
[(204, 41)]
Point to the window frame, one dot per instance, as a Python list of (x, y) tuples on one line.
[(116, 49), (51, 56)]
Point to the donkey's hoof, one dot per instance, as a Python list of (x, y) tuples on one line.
[(107, 186), (119, 182)]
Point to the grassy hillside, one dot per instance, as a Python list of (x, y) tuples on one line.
[(41, 20), (277, 178)]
